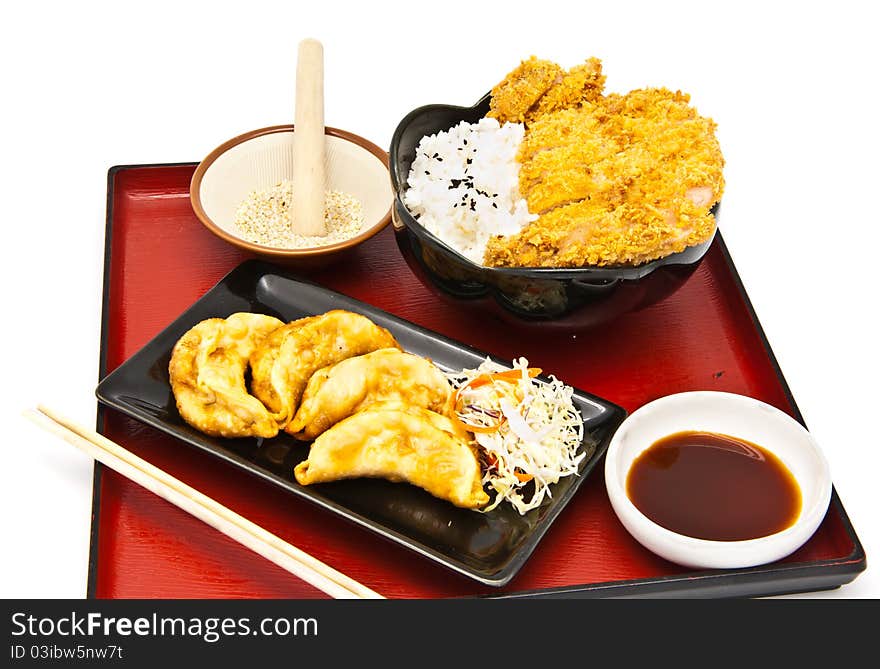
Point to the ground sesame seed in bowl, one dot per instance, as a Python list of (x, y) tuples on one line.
[(264, 217)]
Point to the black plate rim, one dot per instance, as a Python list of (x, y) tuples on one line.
[(613, 415)]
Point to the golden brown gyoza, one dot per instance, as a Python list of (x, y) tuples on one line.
[(266, 377), (397, 445), (336, 392), (437, 419), (281, 368), (207, 370)]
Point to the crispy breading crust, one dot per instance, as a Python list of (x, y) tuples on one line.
[(618, 179), (538, 87), (518, 91), (582, 83), (583, 233)]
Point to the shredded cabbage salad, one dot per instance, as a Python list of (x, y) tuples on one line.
[(529, 430)]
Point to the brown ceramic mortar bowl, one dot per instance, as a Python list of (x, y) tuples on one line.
[(261, 158)]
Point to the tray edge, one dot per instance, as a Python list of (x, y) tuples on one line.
[(847, 568), (97, 476)]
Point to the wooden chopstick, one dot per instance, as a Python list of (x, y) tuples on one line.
[(206, 509)]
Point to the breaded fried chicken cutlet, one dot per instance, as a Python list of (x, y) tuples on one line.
[(615, 179), (539, 87), (520, 90)]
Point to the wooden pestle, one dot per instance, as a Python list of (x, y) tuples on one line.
[(308, 141)]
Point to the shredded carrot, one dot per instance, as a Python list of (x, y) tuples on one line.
[(509, 375), (523, 478)]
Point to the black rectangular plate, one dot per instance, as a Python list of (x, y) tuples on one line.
[(488, 547)]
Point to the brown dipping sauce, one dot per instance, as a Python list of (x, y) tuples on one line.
[(712, 486)]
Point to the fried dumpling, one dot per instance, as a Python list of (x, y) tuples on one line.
[(280, 375), (338, 391), (399, 446), (265, 375), (435, 418), (207, 371)]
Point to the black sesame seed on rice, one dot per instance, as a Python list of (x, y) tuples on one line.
[(472, 181)]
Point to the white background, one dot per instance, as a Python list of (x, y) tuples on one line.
[(86, 86)]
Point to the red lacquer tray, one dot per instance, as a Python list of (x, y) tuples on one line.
[(160, 259)]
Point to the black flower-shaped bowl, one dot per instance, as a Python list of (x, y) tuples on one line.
[(565, 298)]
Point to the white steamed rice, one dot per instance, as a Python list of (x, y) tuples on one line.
[(464, 185)]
